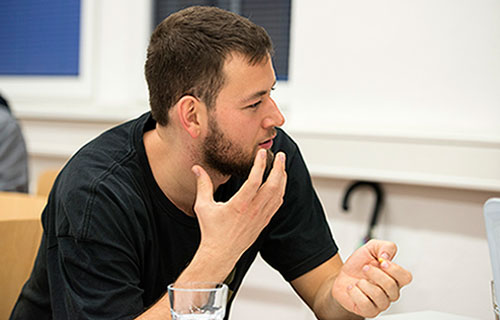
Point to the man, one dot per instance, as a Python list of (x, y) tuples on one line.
[(13, 154), (192, 192)]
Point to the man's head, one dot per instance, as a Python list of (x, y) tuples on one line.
[(187, 52), (244, 119)]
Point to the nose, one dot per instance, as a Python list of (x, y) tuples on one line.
[(274, 117)]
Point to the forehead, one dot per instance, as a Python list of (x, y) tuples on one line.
[(243, 79)]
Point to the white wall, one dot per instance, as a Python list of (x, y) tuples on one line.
[(401, 92), (399, 64)]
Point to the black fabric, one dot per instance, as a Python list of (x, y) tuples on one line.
[(112, 241)]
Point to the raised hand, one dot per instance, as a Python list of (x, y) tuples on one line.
[(369, 281), (230, 228)]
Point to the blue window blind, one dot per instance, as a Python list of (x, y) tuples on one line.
[(39, 37), (273, 15)]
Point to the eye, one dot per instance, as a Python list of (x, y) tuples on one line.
[(255, 105)]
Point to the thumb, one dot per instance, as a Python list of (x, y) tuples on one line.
[(383, 249), (204, 186)]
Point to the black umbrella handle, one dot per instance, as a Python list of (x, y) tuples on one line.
[(376, 209)]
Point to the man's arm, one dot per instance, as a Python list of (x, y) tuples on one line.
[(362, 287), (229, 229), (13, 156), (315, 289)]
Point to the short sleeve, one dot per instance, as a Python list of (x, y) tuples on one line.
[(298, 238), (94, 253)]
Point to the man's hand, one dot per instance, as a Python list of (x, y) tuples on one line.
[(229, 228), (369, 281)]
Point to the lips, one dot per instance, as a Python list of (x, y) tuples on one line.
[(267, 144)]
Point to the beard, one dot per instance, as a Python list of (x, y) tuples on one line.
[(221, 154)]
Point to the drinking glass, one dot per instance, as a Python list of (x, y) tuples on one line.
[(197, 300)]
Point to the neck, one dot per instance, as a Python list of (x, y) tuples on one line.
[(171, 160)]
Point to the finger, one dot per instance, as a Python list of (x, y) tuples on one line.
[(278, 172), (382, 249), (254, 181), (375, 294), (362, 304), (402, 276), (270, 196), (383, 280), (204, 187)]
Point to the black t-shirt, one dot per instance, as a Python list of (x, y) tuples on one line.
[(113, 241)]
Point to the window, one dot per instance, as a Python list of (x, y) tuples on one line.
[(274, 16), (39, 37)]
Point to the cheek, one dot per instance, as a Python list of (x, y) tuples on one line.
[(244, 129)]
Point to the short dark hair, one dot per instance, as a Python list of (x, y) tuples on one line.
[(187, 51)]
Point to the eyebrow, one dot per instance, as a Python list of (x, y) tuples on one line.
[(257, 94)]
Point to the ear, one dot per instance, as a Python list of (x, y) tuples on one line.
[(190, 113)]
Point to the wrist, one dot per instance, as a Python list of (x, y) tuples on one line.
[(208, 264), (327, 304)]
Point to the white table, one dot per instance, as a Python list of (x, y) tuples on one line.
[(424, 315)]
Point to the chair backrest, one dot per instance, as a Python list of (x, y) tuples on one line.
[(20, 235), (46, 181)]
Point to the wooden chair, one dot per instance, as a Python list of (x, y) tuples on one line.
[(20, 235), (46, 181)]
